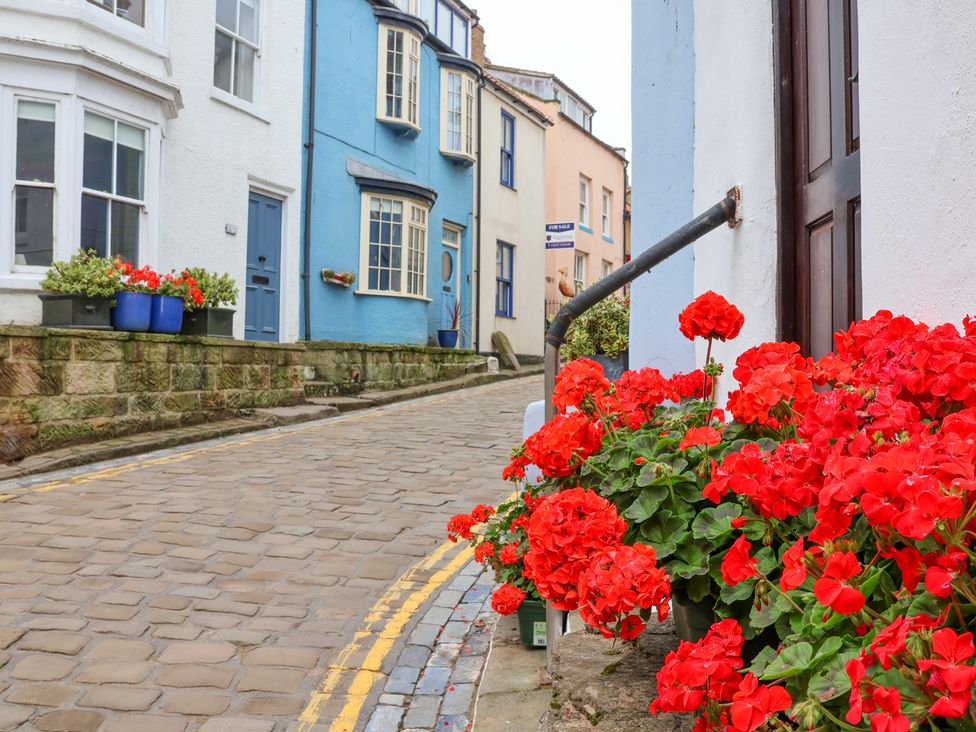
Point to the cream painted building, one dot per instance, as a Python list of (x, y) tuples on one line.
[(586, 182), (511, 210), (154, 129)]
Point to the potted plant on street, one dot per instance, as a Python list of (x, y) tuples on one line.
[(211, 318), (448, 337), (79, 293), (133, 303), (501, 547), (602, 334), (177, 292)]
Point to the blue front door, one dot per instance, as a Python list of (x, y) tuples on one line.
[(262, 290)]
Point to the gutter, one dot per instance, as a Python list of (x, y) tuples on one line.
[(309, 170)]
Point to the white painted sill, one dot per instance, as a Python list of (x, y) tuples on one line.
[(219, 95)]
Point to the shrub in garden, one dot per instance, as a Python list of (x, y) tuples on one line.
[(832, 522), (183, 286), (84, 274), (217, 290)]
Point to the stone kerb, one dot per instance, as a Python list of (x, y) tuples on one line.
[(59, 387)]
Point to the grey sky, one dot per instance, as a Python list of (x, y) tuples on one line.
[(585, 43)]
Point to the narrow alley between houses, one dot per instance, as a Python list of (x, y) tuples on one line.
[(256, 583)]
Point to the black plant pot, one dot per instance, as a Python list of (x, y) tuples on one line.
[(73, 310), (213, 322), (613, 366), (692, 619)]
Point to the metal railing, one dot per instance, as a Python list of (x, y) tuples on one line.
[(725, 211)]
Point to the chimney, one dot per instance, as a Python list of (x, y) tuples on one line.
[(478, 45)]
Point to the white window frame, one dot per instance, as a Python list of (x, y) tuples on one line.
[(466, 114), (410, 85), (414, 232), (607, 268), (114, 10), (580, 263), (12, 158), (60, 86), (584, 202), (113, 197), (605, 221), (448, 226), (255, 45)]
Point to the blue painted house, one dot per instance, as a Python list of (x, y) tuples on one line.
[(392, 105)]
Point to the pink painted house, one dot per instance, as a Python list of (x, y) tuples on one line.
[(586, 183)]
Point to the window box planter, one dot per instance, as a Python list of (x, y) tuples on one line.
[(132, 311), (65, 310), (336, 281), (166, 314), (212, 322), (447, 337)]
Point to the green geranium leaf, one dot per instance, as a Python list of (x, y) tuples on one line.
[(831, 681), (829, 648), (646, 505), (715, 523), (762, 660), (619, 458), (765, 616), (688, 489), (792, 661), (742, 591), (647, 475), (699, 587), (690, 560)]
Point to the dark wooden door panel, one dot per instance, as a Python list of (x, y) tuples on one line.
[(822, 287)]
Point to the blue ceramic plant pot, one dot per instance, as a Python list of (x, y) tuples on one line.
[(447, 338), (166, 314), (132, 311)]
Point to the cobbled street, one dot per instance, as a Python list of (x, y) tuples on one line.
[(213, 587)]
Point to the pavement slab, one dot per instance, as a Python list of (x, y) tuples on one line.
[(211, 588)]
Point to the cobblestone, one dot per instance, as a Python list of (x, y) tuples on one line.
[(208, 589)]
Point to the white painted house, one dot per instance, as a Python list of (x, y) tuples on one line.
[(511, 220), (168, 132), (851, 127)]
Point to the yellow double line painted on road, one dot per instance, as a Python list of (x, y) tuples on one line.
[(371, 668)]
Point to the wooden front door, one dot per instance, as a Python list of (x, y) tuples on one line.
[(820, 170)]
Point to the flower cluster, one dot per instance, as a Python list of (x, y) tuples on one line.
[(706, 674), (146, 279), (710, 316)]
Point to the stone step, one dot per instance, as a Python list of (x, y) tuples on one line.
[(294, 415)]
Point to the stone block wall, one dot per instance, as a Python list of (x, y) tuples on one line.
[(60, 387), (349, 367)]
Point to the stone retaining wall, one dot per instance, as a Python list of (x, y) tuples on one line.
[(342, 368), (59, 387)]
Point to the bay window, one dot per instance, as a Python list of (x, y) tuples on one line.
[(398, 84), (113, 184), (133, 11), (394, 246), (236, 47), (457, 114), (34, 186)]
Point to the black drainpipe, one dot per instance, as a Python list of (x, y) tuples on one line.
[(477, 254), (309, 169)]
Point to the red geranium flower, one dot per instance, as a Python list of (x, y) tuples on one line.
[(562, 443), (710, 316), (507, 599), (482, 513), (580, 384), (483, 551), (508, 554), (794, 568), (706, 436), (737, 565), (833, 591), (753, 704), (459, 527), (565, 531)]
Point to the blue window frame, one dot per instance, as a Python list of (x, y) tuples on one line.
[(504, 260), (508, 150)]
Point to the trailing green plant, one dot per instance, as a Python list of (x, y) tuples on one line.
[(85, 273), (218, 290), (601, 330)]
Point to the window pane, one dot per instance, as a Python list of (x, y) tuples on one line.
[(459, 42), (35, 141), (99, 133), (447, 266), (223, 54), (227, 14), (445, 19), (33, 226), (132, 10), (125, 231), (248, 21), (105, 4), (244, 72), (129, 161), (94, 224)]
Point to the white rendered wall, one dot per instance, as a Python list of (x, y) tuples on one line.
[(516, 217), (918, 157), (735, 144), (217, 151)]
